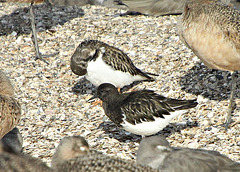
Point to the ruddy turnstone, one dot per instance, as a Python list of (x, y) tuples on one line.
[(140, 112), (156, 152), (212, 30), (10, 110), (102, 63), (72, 155)]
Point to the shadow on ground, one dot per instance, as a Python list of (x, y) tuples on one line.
[(46, 17), (211, 84), (83, 86), (123, 136)]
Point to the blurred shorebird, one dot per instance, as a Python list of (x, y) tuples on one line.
[(73, 155), (19, 162), (156, 152)]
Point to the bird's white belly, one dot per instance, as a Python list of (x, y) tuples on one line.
[(150, 128), (99, 72)]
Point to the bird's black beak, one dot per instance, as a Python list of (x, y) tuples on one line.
[(92, 98)]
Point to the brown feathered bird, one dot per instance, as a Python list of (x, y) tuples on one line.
[(10, 110), (212, 30)]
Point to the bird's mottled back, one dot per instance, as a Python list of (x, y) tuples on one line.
[(95, 161), (6, 87), (10, 110), (212, 30)]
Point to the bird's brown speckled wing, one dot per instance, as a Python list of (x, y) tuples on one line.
[(10, 113), (120, 61)]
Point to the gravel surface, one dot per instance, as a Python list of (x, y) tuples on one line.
[(54, 100)]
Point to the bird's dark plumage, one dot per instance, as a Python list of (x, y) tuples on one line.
[(139, 107)]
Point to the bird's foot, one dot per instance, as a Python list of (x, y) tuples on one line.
[(41, 57), (227, 123)]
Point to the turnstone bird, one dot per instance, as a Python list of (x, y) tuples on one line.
[(15, 162), (13, 141), (140, 112), (156, 152), (212, 30), (75, 156), (10, 109), (102, 63)]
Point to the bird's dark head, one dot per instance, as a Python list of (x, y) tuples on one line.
[(82, 55), (107, 92)]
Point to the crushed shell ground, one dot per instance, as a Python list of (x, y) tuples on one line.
[(54, 100)]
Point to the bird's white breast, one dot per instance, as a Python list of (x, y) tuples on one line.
[(150, 128), (99, 72)]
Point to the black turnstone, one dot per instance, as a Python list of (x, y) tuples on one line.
[(102, 63), (10, 109), (212, 30), (140, 112), (156, 152), (72, 155), (12, 142)]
